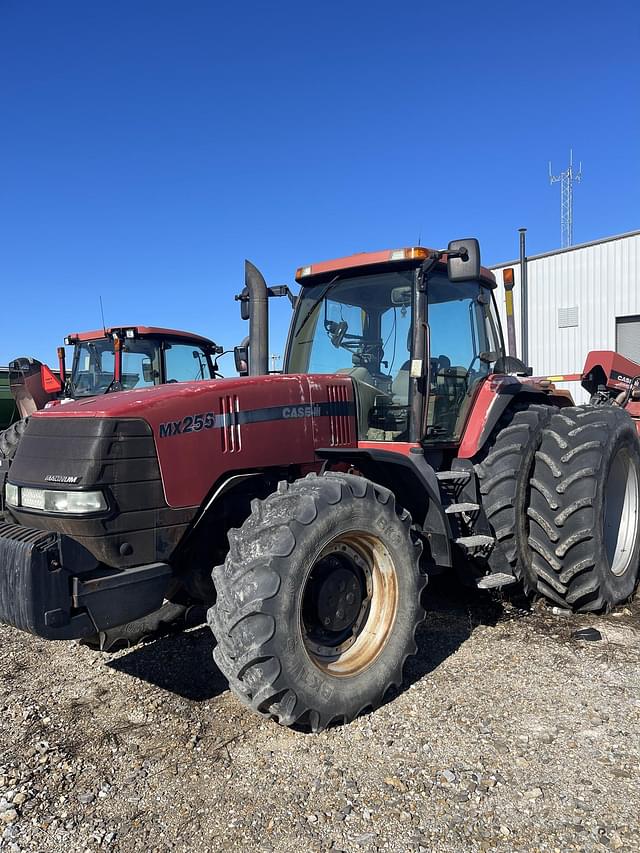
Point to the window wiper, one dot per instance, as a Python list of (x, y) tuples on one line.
[(326, 290)]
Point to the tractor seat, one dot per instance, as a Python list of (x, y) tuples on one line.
[(400, 386), (367, 395)]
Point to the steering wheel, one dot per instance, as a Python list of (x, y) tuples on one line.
[(473, 361), (336, 332)]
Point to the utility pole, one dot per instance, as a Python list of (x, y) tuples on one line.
[(567, 179), (274, 359)]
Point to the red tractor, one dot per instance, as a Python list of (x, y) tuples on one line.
[(308, 509), (114, 359)]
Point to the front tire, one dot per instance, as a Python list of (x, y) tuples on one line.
[(584, 518), (318, 601), (10, 438)]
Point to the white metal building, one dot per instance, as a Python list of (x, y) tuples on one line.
[(586, 297)]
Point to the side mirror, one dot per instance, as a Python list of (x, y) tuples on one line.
[(241, 358), (147, 370), (463, 260), (243, 299)]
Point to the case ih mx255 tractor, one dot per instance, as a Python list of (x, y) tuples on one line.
[(307, 509)]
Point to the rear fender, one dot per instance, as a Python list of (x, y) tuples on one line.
[(492, 400)]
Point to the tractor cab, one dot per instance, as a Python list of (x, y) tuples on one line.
[(417, 347), (137, 357), (113, 359)]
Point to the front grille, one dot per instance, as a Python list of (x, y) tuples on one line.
[(117, 456)]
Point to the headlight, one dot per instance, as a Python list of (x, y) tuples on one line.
[(11, 494), (47, 500)]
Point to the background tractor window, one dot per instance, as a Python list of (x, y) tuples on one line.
[(92, 371), (138, 370), (185, 363), (93, 365)]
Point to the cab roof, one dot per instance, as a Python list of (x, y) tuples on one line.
[(375, 259), (141, 332)]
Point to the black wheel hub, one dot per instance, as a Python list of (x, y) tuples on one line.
[(338, 596), (335, 601)]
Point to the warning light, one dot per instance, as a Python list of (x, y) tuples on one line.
[(412, 254)]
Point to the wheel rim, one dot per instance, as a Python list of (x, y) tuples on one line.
[(620, 520), (349, 604)]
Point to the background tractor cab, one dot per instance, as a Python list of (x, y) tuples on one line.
[(119, 358), (114, 359)]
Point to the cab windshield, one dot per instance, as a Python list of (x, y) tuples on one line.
[(142, 364), (362, 327)]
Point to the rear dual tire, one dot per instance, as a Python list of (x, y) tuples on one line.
[(584, 520), (503, 476), (318, 601)]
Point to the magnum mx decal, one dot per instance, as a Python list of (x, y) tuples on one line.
[(211, 420)]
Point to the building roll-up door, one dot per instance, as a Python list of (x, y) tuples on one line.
[(628, 337)]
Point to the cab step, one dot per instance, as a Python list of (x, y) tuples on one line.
[(461, 507), (495, 581), (453, 476), (475, 543)]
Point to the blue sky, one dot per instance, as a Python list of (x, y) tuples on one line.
[(147, 147)]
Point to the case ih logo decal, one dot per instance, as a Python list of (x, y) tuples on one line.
[(624, 378), (210, 420), (301, 412)]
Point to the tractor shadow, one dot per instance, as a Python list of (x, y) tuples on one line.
[(182, 662), (453, 612)]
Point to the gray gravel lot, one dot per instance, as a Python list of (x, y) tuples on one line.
[(508, 735)]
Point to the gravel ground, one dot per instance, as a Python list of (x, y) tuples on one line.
[(508, 735)]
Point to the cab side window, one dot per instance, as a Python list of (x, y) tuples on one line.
[(185, 363)]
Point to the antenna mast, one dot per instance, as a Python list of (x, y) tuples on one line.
[(567, 179)]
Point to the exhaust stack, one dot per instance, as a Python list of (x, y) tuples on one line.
[(256, 289)]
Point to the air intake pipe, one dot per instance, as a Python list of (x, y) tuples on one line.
[(258, 297)]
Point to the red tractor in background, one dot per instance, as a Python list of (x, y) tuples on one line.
[(105, 361), (306, 510), (111, 359)]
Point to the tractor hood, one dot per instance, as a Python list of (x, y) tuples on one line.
[(203, 431)]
